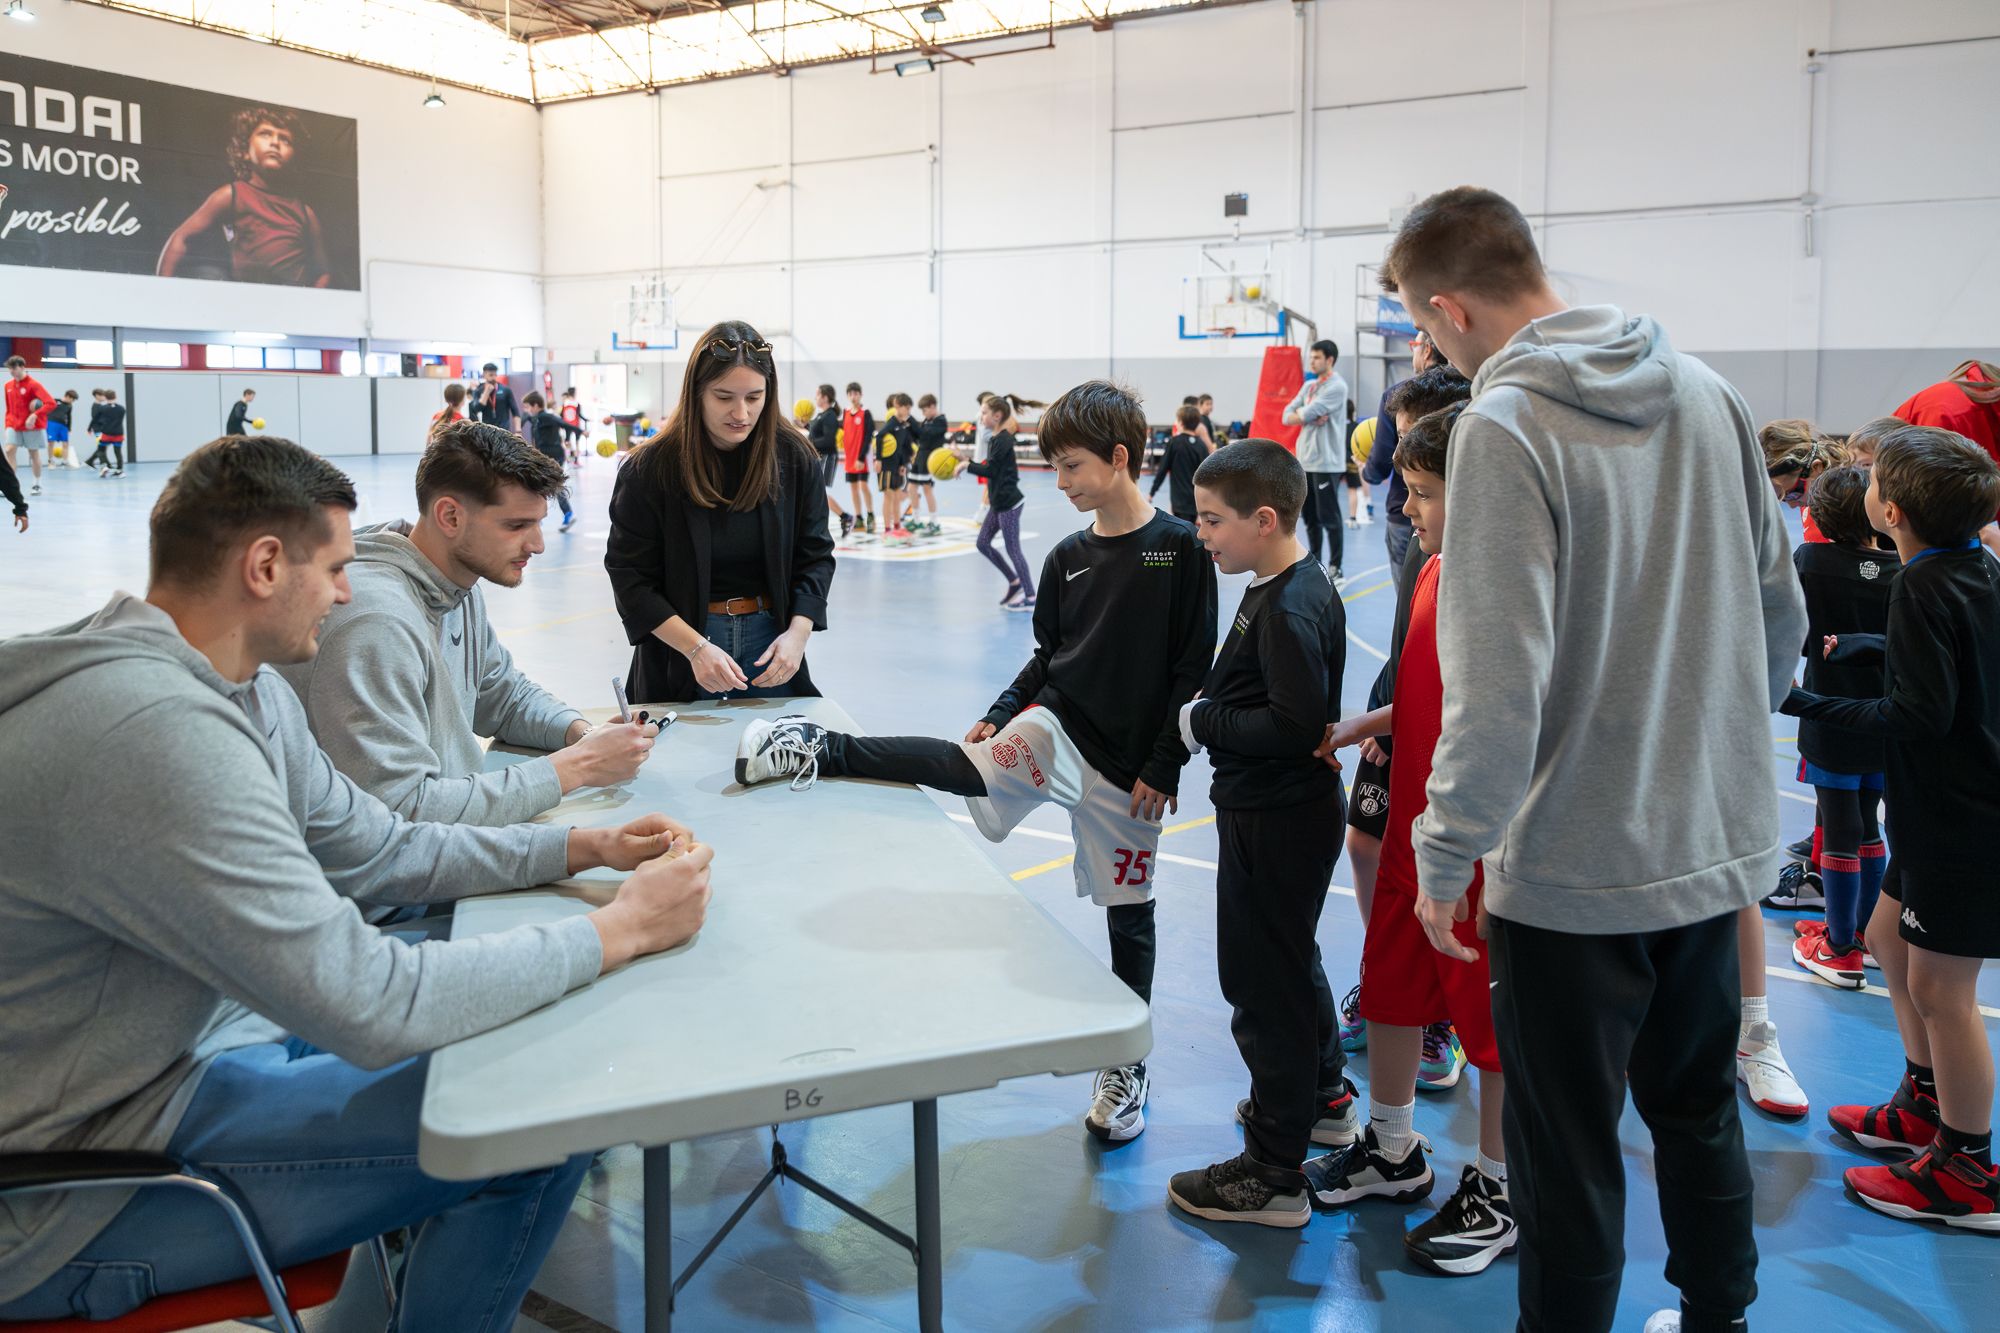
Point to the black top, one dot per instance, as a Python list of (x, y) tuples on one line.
[(60, 412), (96, 426), (1002, 473), (825, 432), (504, 408), (1124, 633), (545, 432), (10, 486), (1383, 692), (930, 434), (1271, 692), (1211, 427), (1382, 461), (109, 419), (736, 542), (660, 553), (1939, 712), (237, 415), (896, 445), (1847, 592), (1183, 454)]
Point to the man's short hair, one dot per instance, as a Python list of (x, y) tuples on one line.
[(534, 398), (1463, 240), (1423, 447), (1432, 391), (1329, 349), (1096, 416), (1838, 505), (1947, 486), (1205, 398), (242, 487), (249, 393), (1256, 474), (1188, 416), (489, 366), (471, 460), (14, 361)]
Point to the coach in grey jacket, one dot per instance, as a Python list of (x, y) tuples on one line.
[(410, 675), (197, 980), (1617, 619), (1320, 412)]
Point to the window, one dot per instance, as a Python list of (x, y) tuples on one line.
[(280, 358), (93, 351), (220, 357), (385, 364), (153, 355), (248, 358), (350, 363)]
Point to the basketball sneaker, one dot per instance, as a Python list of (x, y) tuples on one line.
[(1800, 850), (1339, 1122), (789, 747), (1475, 1227), (1798, 889), (1353, 1027), (1021, 604), (566, 524), (1443, 1060), (35, 489), (846, 523), (1761, 1068), (1935, 1187), (871, 523), (1907, 1122), (1118, 1104), (1362, 1170), (1813, 951), (1242, 1190)]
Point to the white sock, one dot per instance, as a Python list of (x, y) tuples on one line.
[(1394, 1127), (1494, 1170), (1756, 1009)]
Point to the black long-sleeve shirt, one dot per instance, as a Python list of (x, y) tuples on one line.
[(1847, 593), (238, 413), (930, 436), (59, 414), (824, 432), (1002, 473), (501, 413), (545, 432), (1939, 712), (10, 486), (1271, 692), (1183, 454), (1381, 464), (108, 420), (1124, 633)]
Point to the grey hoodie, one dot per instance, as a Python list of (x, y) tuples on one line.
[(409, 676), (214, 913), (1617, 620)]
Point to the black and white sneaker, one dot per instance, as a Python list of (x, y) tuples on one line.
[(36, 489), (1475, 1227), (1798, 889), (1118, 1104), (1363, 1171), (788, 748), (1242, 1190), (1339, 1122)]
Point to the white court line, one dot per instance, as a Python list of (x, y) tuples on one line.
[(1064, 837), (1362, 574), (1367, 647), (1795, 974)]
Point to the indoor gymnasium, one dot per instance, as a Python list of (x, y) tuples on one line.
[(772, 664)]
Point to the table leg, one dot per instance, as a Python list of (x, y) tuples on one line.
[(659, 1262), (930, 1244)]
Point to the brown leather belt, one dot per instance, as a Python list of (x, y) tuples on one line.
[(740, 606)]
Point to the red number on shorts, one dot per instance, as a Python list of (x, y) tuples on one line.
[(1137, 865)]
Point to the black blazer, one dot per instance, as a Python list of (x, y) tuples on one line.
[(658, 556)]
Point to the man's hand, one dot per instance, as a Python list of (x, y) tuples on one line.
[(1149, 804), (781, 660), (1438, 918), (625, 847), (980, 731), (605, 756), (660, 907)]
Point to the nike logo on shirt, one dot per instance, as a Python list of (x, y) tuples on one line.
[(1071, 574)]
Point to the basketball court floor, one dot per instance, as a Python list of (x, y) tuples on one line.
[(1044, 1228)]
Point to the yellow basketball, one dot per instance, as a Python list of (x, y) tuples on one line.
[(645, 423), (1364, 442), (1253, 291), (257, 423), (605, 448), (802, 408), (55, 451), (944, 464)]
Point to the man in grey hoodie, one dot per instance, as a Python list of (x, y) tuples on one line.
[(1617, 620), (1319, 410), (198, 982), (409, 675)]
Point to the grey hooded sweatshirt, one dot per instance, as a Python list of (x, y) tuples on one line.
[(1617, 621), (215, 913), (409, 676)]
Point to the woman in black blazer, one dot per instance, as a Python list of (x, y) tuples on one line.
[(719, 552)]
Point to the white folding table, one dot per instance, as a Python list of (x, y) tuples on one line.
[(827, 978)]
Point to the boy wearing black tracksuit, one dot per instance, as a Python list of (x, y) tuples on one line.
[(545, 432)]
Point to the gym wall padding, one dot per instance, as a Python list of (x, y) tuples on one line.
[(333, 415), (403, 412), (1277, 385)]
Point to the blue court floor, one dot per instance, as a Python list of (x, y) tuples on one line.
[(1043, 1228)]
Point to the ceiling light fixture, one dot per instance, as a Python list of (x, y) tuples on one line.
[(921, 65), (433, 102), (932, 14)]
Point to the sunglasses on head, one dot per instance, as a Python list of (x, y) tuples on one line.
[(728, 349)]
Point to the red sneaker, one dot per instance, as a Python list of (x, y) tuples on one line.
[(1957, 1191), (1812, 952), (1907, 1122)]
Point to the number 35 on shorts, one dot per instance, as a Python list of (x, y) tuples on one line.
[(1131, 867)]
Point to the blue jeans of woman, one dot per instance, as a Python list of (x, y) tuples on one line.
[(1006, 522), (325, 1154), (745, 638)]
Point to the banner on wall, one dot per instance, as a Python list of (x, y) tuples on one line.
[(122, 175)]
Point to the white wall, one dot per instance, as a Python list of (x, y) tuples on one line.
[(451, 229), (1024, 221)]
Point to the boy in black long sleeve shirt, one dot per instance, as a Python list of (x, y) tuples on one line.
[(545, 432), (1279, 814), (1124, 631), (1938, 917), (1184, 453)]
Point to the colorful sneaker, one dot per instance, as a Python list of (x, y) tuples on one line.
[(1353, 1027), (1444, 1059), (1118, 1104), (1362, 1170), (1475, 1227), (1339, 1122), (1954, 1190), (1761, 1067), (1812, 951), (1240, 1190), (1798, 889), (788, 748), (1907, 1122)]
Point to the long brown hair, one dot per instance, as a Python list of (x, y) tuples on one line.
[(681, 456)]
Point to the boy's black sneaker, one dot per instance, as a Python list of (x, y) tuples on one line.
[(1475, 1227), (1362, 1171), (1800, 850), (1338, 1123), (1242, 1190), (1799, 889)]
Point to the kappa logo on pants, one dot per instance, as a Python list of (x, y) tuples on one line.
[(1910, 920)]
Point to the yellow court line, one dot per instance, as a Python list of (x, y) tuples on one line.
[(1373, 587), (1061, 861), (1192, 823)]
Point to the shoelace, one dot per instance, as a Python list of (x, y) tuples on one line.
[(1437, 1041), (1350, 1005), (788, 749), (1115, 1083)]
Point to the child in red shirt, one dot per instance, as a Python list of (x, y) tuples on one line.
[(857, 432), (1405, 980)]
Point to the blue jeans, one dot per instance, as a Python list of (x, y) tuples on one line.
[(745, 638), (1396, 539), (325, 1154)]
